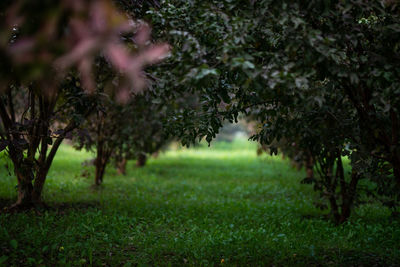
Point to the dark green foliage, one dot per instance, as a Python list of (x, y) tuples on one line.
[(49, 51), (121, 132), (144, 132), (324, 75), (33, 127)]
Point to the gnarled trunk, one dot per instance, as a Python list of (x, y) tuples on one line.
[(38, 186), (25, 190), (29, 189), (28, 150)]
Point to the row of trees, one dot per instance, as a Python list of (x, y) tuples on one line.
[(319, 78), (121, 132), (58, 60)]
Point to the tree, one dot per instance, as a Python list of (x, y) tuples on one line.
[(48, 50), (145, 133), (341, 49), (324, 75), (122, 132)]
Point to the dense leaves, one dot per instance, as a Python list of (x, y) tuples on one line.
[(322, 75), (123, 132), (319, 79)]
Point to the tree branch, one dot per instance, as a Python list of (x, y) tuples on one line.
[(70, 127), (11, 105), (4, 116)]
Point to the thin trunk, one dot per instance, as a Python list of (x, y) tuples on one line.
[(394, 143), (5, 117), (396, 169), (38, 186), (340, 176), (100, 170), (332, 181), (309, 163), (11, 105), (348, 200), (99, 166), (334, 208), (102, 160), (121, 167), (141, 160), (346, 211), (45, 162), (331, 186)]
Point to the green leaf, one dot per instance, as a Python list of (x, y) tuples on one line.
[(205, 72), (3, 259), (14, 244)]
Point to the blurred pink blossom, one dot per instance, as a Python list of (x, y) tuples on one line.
[(94, 28)]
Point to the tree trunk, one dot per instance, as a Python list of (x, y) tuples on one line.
[(309, 164), (101, 164), (334, 208), (38, 186), (141, 160), (25, 190), (28, 197), (396, 169), (345, 212), (121, 167), (331, 187), (348, 199), (394, 146), (29, 189)]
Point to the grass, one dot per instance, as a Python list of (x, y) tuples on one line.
[(205, 206)]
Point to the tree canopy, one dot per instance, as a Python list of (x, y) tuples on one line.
[(324, 75), (320, 77)]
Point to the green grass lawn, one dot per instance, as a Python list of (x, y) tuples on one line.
[(205, 206)]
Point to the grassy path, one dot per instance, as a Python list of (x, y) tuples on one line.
[(205, 206)]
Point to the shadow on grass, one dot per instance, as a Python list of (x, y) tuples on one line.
[(60, 208), (338, 257)]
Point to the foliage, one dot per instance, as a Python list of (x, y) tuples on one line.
[(321, 74), (123, 132), (145, 133), (49, 50)]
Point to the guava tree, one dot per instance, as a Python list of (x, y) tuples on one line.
[(121, 132), (48, 52), (342, 56), (144, 133), (322, 74)]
